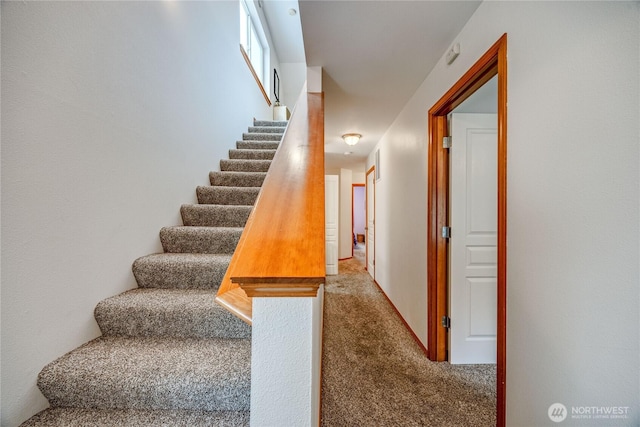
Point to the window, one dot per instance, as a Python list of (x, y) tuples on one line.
[(253, 46), (250, 41)]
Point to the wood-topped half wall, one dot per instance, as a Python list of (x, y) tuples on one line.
[(281, 252)]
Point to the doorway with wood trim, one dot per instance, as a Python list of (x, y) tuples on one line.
[(358, 215), (370, 233), (492, 63)]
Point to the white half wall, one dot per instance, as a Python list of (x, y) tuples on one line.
[(286, 350), (573, 203), (112, 114)]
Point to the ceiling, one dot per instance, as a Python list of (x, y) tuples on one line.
[(285, 29), (374, 55)]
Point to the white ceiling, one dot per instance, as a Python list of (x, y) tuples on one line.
[(374, 54), (285, 29)]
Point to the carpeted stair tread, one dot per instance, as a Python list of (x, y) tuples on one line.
[(81, 417), (242, 165), (219, 195), (185, 313), (267, 129), (252, 154), (215, 215), (181, 270), (257, 145), (152, 373), (277, 123), (255, 136), (237, 179), (200, 240)]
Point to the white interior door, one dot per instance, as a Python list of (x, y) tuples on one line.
[(331, 215), (370, 229), (473, 243)]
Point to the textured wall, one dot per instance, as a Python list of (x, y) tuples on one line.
[(112, 114), (286, 361), (573, 202)]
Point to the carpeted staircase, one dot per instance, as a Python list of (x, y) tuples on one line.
[(168, 354)]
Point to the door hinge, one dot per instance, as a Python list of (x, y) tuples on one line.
[(446, 322), (446, 142), (446, 232)]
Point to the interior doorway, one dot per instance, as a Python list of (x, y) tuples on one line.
[(370, 223), (492, 63), (472, 127), (358, 216)]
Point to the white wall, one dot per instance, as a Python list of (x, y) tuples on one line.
[(293, 75), (573, 202), (112, 114), (314, 79)]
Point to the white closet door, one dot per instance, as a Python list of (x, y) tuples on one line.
[(473, 242)]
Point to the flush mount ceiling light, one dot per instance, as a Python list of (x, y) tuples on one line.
[(351, 138), (293, 12)]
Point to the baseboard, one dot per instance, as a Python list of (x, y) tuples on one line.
[(406, 325)]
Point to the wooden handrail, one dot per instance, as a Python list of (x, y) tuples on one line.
[(281, 252)]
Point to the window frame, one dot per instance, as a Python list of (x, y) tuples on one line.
[(252, 47)]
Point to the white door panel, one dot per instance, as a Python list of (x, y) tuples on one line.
[(331, 214), (473, 250)]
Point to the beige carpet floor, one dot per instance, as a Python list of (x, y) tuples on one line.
[(375, 374)]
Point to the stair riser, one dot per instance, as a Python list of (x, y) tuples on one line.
[(257, 145), (141, 324), (170, 271), (68, 417), (261, 137), (240, 179), (141, 398), (266, 129), (245, 165), (270, 123), (252, 154), (215, 216), (200, 241), (244, 196), (168, 313), (165, 374)]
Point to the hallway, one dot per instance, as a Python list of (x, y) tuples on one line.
[(374, 373)]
